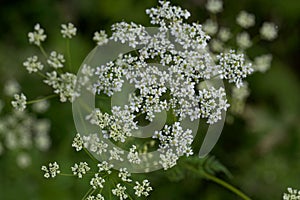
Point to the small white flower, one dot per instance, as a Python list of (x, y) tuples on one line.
[(68, 30), (77, 142), (51, 171), (20, 102), (224, 34), (262, 63), (124, 175), (293, 194), (133, 155), (268, 31), (32, 64), (37, 36), (97, 181), (105, 166), (243, 40), (120, 192), (56, 60), (210, 27), (245, 20), (11, 87), (80, 169), (100, 38), (98, 197), (142, 189), (214, 6)]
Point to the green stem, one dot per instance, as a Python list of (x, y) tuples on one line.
[(69, 54), (43, 51), (63, 174), (42, 99), (90, 191), (227, 186), (220, 182), (90, 155)]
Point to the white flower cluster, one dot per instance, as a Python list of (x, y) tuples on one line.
[(233, 67), (268, 31), (20, 102), (68, 30), (245, 19), (292, 194), (100, 37), (214, 6), (20, 132), (142, 189), (80, 169), (174, 142), (183, 62), (37, 36), (51, 171), (33, 65), (56, 60), (63, 85), (97, 197)]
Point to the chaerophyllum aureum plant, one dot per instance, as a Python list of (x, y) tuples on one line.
[(171, 68)]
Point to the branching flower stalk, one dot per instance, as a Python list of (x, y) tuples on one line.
[(186, 55)]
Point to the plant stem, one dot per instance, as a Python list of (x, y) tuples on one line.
[(220, 182), (69, 54), (43, 51), (42, 99), (227, 186)]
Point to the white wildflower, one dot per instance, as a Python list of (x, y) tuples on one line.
[(243, 40), (51, 171), (262, 63), (245, 19), (268, 31), (68, 30), (293, 194), (56, 60), (210, 27), (97, 181), (80, 169), (124, 175), (214, 6), (37, 36), (142, 189), (100, 37), (32, 64), (224, 34), (77, 142), (133, 155), (120, 192), (233, 67), (20, 102), (105, 167)]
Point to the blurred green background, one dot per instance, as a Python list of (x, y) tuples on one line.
[(261, 149)]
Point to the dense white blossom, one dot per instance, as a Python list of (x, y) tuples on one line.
[(77, 142), (233, 67)]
